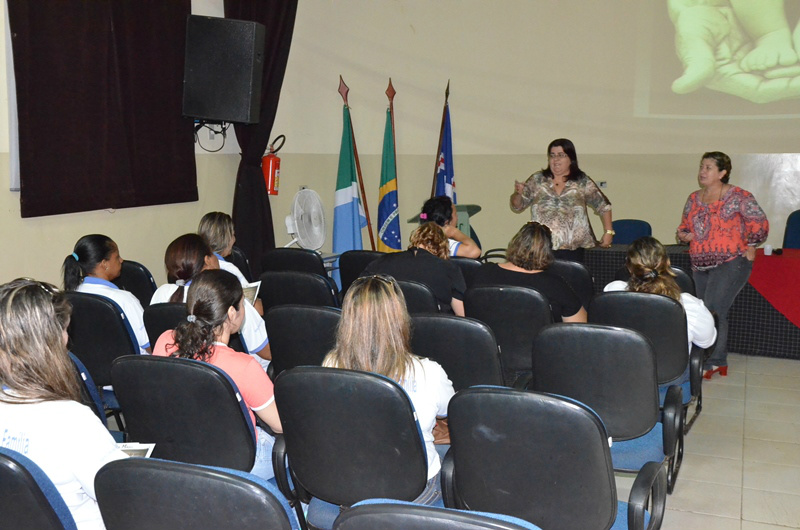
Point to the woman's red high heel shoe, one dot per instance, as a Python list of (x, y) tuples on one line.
[(721, 370)]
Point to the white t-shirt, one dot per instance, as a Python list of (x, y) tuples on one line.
[(125, 300), (233, 269), (253, 332), (453, 246), (699, 320), (430, 391), (69, 443)]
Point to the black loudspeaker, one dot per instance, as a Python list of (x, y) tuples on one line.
[(223, 70)]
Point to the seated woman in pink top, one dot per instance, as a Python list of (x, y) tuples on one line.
[(215, 309)]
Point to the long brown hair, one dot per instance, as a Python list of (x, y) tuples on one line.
[(374, 332), (34, 365), (430, 236), (531, 248), (184, 259), (649, 265)]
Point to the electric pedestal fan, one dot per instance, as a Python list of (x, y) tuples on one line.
[(306, 222)]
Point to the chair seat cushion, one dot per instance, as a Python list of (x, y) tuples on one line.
[(621, 522), (631, 455), (110, 400), (683, 381)]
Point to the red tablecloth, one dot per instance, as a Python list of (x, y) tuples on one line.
[(777, 278)]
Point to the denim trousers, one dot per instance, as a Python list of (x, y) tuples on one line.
[(718, 288), (262, 466)]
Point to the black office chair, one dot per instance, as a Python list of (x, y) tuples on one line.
[(419, 297), (515, 315), (467, 265), (191, 410), (349, 436), (387, 514), (90, 396), (300, 335), (352, 263), (158, 318), (293, 259), (493, 255), (136, 279), (791, 235), (99, 332), (239, 258), (464, 347), (629, 230), (295, 287), (613, 371), (682, 278), (544, 459), (662, 320), (138, 493), (28, 498), (577, 276)]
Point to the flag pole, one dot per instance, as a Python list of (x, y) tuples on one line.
[(441, 135), (343, 90), (390, 92)]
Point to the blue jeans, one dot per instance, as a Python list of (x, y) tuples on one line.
[(263, 462), (718, 288)]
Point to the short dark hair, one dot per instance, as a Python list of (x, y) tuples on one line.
[(438, 210), (723, 162), (532, 247), (575, 172)]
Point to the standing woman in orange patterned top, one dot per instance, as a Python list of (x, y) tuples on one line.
[(723, 224)]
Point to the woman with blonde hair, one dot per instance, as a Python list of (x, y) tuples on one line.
[(216, 228), (427, 261), (374, 336), (651, 272), (529, 254), (40, 410)]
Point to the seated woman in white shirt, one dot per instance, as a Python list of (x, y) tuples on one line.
[(649, 265), (218, 231), (186, 257), (94, 263), (40, 411), (442, 211)]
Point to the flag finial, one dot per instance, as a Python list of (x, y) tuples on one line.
[(447, 92), (344, 89), (390, 91)]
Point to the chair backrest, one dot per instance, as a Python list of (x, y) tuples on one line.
[(464, 347), (577, 276), (467, 265), (90, 396), (515, 315), (350, 435), (419, 297), (791, 235), (137, 493), (295, 287), (293, 259), (136, 279), (611, 370), (629, 230), (353, 262), (542, 458), (388, 514), (191, 410), (300, 335), (682, 278), (99, 332), (28, 498), (239, 258), (659, 318), (158, 318)]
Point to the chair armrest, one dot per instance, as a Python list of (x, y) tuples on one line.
[(281, 470), (696, 370), (522, 382), (650, 484), (672, 419), (447, 478)]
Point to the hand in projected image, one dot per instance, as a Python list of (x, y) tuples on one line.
[(713, 47)]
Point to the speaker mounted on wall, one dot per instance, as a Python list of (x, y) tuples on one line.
[(223, 69)]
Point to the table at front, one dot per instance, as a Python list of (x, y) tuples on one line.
[(756, 327)]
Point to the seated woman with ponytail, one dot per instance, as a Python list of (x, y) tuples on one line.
[(94, 263), (184, 259), (649, 265), (216, 310)]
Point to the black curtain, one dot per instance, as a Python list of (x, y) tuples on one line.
[(252, 214), (99, 95)]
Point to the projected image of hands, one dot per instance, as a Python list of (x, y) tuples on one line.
[(741, 47)]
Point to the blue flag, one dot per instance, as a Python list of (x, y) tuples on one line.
[(445, 177), (348, 214), (388, 220)]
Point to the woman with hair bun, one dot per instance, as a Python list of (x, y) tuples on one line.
[(216, 310), (94, 263), (41, 415), (427, 261), (442, 211), (650, 270)]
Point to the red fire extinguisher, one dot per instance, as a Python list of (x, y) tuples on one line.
[(271, 166)]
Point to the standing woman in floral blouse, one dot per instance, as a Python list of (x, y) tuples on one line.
[(558, 197), (723, 224)]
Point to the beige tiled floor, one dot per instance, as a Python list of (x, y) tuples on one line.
[(741, 469)]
